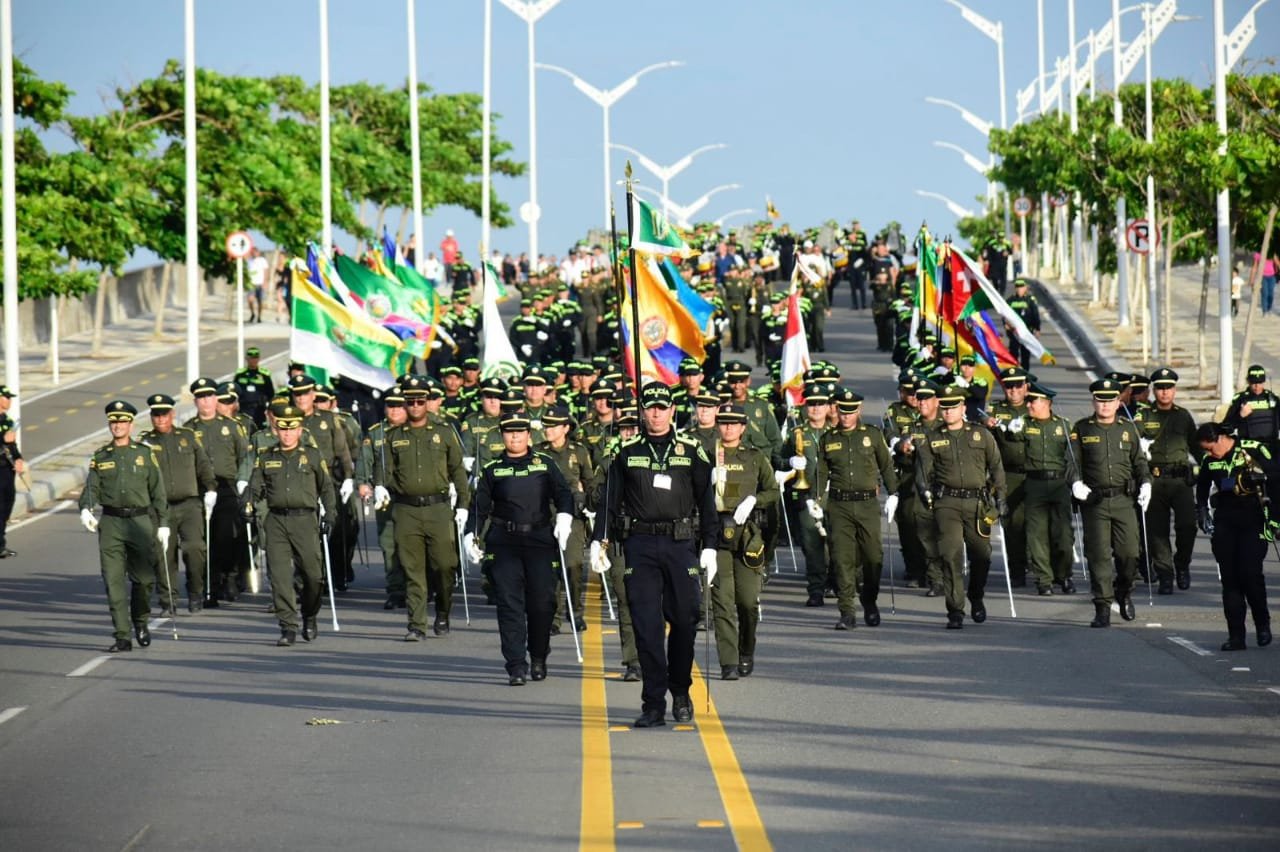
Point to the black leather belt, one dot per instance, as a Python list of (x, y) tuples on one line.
[(851, 496), (1046, 474), (293, 512), (123, 513), (1167, 470), (427, 500), (513, 527), (1117, 491), (656, 527), (961, 493), (1020, 471)]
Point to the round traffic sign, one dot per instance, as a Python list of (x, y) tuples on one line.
[(239, 244), (530, 212), (1138, 236), (1058, 199), (1022, 205)]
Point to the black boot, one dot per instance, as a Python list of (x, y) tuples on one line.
[(1233, 643), (1264, 635), (537, 669), (1102, 615), (309, 631), (870, 614), (1125, 601)]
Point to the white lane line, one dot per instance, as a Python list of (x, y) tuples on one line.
[(89, 666), (1154, 624), (1190, 646), (58, 507), (1274, 689), (6, 715), (1239, 668)]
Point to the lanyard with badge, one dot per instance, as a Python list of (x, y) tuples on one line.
[(661, 479)]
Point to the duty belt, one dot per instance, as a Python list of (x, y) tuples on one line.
[(961, 493), (513, 527), (124, 513), (293, 512), (1116, 491), (426, 500), (656, 527), (1167, 470), (1016, 469), (180, 500), (1046, 474), (851, 496)]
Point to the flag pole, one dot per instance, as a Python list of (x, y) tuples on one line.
[(615, 269), (635, 303)]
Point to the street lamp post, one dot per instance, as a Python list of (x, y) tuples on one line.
[(531, 11), (606, 98), (957, 210), (977, 165), (993, 30), (666, 173), (683, 213), (745, 211)]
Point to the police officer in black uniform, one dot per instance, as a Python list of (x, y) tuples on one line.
[(516, 497), (665, 506), (1255, 411)]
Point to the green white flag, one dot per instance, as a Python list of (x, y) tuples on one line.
[(652, 233), (328, 336)]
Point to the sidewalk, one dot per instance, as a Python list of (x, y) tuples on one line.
[(60, 470), (1107, 347)]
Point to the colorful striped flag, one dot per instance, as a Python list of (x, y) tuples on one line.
[(987, 306), (668, 334), (795, 352), (690, 299), (336, 340)]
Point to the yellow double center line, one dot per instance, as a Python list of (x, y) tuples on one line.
[(598, 825)]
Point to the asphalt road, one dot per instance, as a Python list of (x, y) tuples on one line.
[(1035, 731)]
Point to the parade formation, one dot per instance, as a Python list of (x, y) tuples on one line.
[(678, 495)]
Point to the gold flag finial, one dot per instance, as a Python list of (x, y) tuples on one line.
[(628, 170)]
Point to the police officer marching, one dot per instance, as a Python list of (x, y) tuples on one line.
[(801, 450), (192, 492), (1255, 411), (574, 463), (256, 387), (1007, 418), (661, 497), (11, 466), (1111, 469), (1168, 439), (1234, 483), (959, 475), (422, 460), (125, 480), (744, 484), (289, 483), (1050, 470), (374, 449), (517, 495)]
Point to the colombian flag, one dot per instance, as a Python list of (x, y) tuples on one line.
[(668, 334)]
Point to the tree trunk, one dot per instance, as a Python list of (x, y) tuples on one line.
[(166, 273), (377, 226), (404, 222), (1201, 359), (99, 314), (1254, 290)]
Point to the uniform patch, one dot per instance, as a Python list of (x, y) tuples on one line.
[(1057, 433), (139, 461), (182, 442), (272, 465), (866, 440), (679, 449), (435, 439), (324, 424), (832, 447), (106, 465), (977, 437), (943, 443), (1091, 439), (637, 461), (226, 430), (400, 443)]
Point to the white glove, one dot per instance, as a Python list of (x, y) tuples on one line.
[(89, 521), (241, 485), (815, 511), (1015, 425), (474, 553), (744, 509), (320, 503), (1146, 443), (460, 517), (346, 489), (162, 535), (563, 529), (210, 500), (782, 477), (542, 335), (526, 350), (799, 463), (381, 497), (891, 506), (597, 558), (822, 531), (719, 475), (1080, 491), (893, 442), (589, 515), (1144, 496), (468, 462), (453, 495), (708, 562)]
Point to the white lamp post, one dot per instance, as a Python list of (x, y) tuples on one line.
[(982, 168), (9, 215), (666, 173), (684, 213), (957, 210), (605, 98), (745, 211), (531, 11)]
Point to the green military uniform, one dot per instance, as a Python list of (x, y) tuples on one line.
[(740, 472), (125, 480), (735, 302), (420, 464), (958, 471), (616, 575), (227, 445), (1010, 437), (917, 526), (347, 524), (1169, 436), (596, 434), (899, 418), (574, 463), (1111, 464), (803, 442), (288, 486), (374, 447), (852, 464), (188, 476), (1050, 469)]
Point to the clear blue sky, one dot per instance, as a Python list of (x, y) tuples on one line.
[(820, 101)]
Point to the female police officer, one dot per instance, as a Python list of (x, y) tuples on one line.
[(516, 495), (1239, 469)]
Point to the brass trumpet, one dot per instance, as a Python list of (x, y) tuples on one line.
[(801, 482)]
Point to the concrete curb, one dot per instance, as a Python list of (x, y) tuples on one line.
[(1099, 355)]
